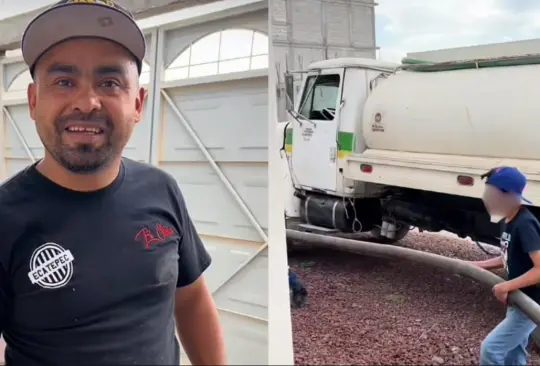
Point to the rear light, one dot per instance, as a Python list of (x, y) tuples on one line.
[(465, 180), (365, 168)]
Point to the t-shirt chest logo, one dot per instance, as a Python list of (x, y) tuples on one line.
[(51, 266), (154, 237)]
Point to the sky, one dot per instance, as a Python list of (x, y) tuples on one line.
[(419, 25)]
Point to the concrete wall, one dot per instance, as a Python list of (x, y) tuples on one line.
[(304, 31), (481, 51)]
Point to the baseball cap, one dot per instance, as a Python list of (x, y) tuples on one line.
[(82, 18), (507, 180)]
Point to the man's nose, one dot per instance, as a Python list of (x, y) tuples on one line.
[(87, 99)]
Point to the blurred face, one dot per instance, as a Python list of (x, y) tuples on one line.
[(498, 203), (85, 101)]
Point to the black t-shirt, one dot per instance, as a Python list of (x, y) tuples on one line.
[(520, 237), (90, 278)]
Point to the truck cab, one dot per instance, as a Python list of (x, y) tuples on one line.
[(321, 132)]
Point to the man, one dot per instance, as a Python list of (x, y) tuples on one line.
[(520, 242), (99, 256)]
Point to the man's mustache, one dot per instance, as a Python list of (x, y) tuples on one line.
[(101, 120)]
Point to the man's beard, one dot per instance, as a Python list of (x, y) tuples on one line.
[(84, 158)]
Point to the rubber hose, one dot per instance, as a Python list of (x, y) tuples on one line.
[(516, 298)]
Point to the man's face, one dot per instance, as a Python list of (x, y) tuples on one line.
[(85, 101)]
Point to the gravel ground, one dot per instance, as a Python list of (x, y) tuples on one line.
[(364, 310)]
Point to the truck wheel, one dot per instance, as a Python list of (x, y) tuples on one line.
[(400, 234)]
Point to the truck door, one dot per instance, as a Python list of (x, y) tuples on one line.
[(314, 151)]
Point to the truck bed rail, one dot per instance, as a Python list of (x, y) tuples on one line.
[(411, 64)]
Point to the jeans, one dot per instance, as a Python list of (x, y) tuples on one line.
[(507, 343), (294, 284)]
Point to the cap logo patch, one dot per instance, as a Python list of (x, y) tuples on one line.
[(105, 22)]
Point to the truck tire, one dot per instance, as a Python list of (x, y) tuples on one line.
[(400, 234)]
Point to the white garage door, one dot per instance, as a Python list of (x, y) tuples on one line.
[(206, 124)]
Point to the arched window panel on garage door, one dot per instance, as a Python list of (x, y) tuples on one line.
[(17, 77), (223, 52), (20, 83)]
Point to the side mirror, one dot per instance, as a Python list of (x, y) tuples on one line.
[(289, 91)]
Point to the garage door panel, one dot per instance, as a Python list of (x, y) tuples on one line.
[(247, 291), (15, 155), (149, 44), (251, 182), (227, 117), (246, 340), (212, 207), (227, 256), (13, 166), (138, 147), (12, 71), (27, 127), (204, 201)]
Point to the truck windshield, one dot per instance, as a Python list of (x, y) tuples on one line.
[(320, 97)]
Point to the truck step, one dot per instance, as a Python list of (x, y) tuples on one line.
[(316, 229)]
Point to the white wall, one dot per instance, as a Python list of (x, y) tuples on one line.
[(9, 8), (304, 31)]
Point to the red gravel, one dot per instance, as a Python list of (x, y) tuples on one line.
[(364, 310)]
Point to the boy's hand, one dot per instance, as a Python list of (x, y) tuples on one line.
[(500, 291)]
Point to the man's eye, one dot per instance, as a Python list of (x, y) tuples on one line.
[(109, 84), (64, 83)]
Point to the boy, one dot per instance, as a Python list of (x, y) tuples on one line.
[(520, 242)]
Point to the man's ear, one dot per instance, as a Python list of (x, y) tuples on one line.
[(31, 95), (139, 103)]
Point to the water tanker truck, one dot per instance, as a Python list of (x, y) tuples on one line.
[(377, 147)]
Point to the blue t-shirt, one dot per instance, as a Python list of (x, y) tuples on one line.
[(520, 237)]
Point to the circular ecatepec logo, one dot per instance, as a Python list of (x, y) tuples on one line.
[(51, 266)]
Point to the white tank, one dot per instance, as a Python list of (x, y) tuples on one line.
[(490, 112)]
